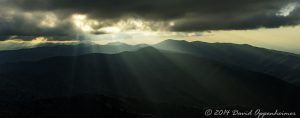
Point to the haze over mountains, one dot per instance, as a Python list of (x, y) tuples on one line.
[(276, 63), (189, 75), (283, 65)]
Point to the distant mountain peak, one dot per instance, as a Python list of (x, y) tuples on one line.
[(173, 40), (116, 43), (148, 49)]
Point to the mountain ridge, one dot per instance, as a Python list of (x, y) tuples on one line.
[(279, 64), (143, 83), (276, 63), (148, 63)]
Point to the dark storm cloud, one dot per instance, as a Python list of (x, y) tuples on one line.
[(188, 15), (15, 24), (21, 26), (224, 23), (151, 8)]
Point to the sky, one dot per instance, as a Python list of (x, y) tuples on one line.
[(264, 23)]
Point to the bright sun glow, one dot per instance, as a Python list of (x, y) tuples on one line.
[(110, 29), (83, 23), (39, 40)]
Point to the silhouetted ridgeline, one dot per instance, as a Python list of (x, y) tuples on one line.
[(159, 83), (283, 65)]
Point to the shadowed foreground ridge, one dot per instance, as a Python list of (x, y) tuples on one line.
[(144, 83)]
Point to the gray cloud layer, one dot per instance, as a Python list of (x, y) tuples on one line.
[(24, 17)]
